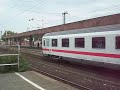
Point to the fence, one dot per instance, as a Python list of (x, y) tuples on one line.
[(18, 54)]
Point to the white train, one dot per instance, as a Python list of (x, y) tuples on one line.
[(94, 47)]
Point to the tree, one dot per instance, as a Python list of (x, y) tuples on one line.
[(6, 33)]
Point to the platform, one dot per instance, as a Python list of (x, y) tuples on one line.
[(30, 80)]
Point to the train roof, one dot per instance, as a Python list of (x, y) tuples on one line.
[(86, 30)]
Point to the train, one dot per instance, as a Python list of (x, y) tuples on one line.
[(90, 46)]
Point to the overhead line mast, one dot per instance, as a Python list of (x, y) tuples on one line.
[(64, 17)]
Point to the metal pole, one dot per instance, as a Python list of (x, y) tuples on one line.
[(6, 32), (18, 56), (1, 36), (64, 18)]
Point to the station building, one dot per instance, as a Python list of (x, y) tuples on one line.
[(33, 38)]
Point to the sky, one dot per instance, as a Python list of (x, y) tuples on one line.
[(27, 15)]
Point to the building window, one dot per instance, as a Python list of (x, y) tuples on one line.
[(98, 42), (65, 42), (54, 42), (79, 42), (118, 42)]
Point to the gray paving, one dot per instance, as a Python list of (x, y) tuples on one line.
[(11, 81)]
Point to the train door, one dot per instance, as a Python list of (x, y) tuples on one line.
[(46, 46)]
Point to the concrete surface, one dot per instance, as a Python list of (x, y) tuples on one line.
[(12, 81)]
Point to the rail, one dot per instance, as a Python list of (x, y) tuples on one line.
[(18, 58)]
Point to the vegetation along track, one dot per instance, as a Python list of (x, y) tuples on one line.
[(81, 80)]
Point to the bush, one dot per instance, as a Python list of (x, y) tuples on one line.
[(23, 65)]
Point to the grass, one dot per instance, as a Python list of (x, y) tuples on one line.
[(23, 65)]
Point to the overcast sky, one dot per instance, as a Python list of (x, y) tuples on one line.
[(26, 15)]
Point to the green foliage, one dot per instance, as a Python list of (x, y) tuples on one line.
[(23, 65), (7, 32)]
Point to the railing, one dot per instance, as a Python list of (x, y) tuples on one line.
[(18, 54)]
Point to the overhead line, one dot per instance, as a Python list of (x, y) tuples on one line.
[(53, 13), (24, 11), (114, 6)]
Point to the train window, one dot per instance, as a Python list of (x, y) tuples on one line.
[(118, 42), (54, 42), (79, 42), (47, 42), (44, 43), (65, 42), (98, 42)]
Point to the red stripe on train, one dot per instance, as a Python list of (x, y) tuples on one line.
[(45, 49), (87, 53)]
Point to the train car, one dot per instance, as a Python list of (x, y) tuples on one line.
[(99, 48)]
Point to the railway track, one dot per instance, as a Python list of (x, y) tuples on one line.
[(76, 79), (61, 79), (80, 80)]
